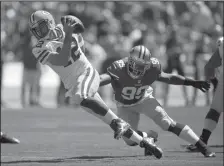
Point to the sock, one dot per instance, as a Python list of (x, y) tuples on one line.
[(184, 132), (99, 109), (210, 123), (134, 136), (205, 135)]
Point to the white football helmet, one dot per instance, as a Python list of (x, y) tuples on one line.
[(41, 23), (138, 61)]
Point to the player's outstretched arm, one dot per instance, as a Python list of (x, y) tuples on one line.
[(212, 64), (180, 80), (105, 79), (62, 57)]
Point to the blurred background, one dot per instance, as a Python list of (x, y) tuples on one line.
[(182, 35)]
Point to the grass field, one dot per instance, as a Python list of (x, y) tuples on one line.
[(68, 137)]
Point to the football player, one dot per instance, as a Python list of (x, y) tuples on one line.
[(5, 139), (59, 47), (212, 117), (131, 78)]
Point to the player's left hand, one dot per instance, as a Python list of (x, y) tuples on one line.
[(202, 85)]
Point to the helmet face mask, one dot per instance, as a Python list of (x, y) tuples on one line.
[(137, 64), (41, 24), (41, 29)]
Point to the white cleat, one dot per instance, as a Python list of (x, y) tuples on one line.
[(152, 148), (120, 127)]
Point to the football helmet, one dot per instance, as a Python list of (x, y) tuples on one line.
[(138, 61), (41, 23)]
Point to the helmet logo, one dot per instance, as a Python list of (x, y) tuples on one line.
[(45, 12)]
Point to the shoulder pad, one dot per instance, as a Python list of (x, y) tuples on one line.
[(115, 68), (120, 63), (155, 64)]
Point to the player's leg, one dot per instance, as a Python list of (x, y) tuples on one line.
[(85, 94), (161, 118), (212, 117), (213, 114), (132, 116)]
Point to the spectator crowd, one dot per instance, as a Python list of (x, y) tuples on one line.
[(180, 34)]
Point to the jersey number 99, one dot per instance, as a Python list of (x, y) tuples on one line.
[(131, 93)]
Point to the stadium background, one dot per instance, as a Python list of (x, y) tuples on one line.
[(70, 137), (111, 30)]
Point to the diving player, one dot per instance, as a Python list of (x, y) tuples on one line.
[(59, 47), (212, 117), (131, 78)]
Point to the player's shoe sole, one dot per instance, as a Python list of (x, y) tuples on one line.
[(8, 140), (148, 143), (120, 127)]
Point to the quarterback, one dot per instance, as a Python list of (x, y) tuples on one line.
[(131, 78), (212, 117), (60, 47)]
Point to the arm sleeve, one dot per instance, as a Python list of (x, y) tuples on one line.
[(41, 55), (112, 70)]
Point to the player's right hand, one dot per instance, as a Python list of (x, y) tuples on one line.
[(69, 26)]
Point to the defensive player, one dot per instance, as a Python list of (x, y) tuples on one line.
[(5, 139), (216, 108), (59, 47), (131, 78)]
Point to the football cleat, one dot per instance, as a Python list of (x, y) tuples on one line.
[(207, 153), (153, 135), (5, 139), (120, 127), (192, 148), (210, 154), (148, 143)]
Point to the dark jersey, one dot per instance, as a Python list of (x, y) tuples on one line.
[(128, 90)]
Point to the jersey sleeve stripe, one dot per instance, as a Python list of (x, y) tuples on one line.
[(40, 55), (144, 53), (140, 52), (44, 57), (114, 66)]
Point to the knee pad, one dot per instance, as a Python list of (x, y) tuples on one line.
[(177, 128)]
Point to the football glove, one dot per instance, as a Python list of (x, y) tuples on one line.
[(202, 85), (79, 28)]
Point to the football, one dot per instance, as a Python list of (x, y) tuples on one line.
[(79, 28)]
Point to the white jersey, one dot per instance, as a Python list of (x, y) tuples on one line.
[(77, 64)]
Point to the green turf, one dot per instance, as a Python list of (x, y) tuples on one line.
[(69, 137)]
